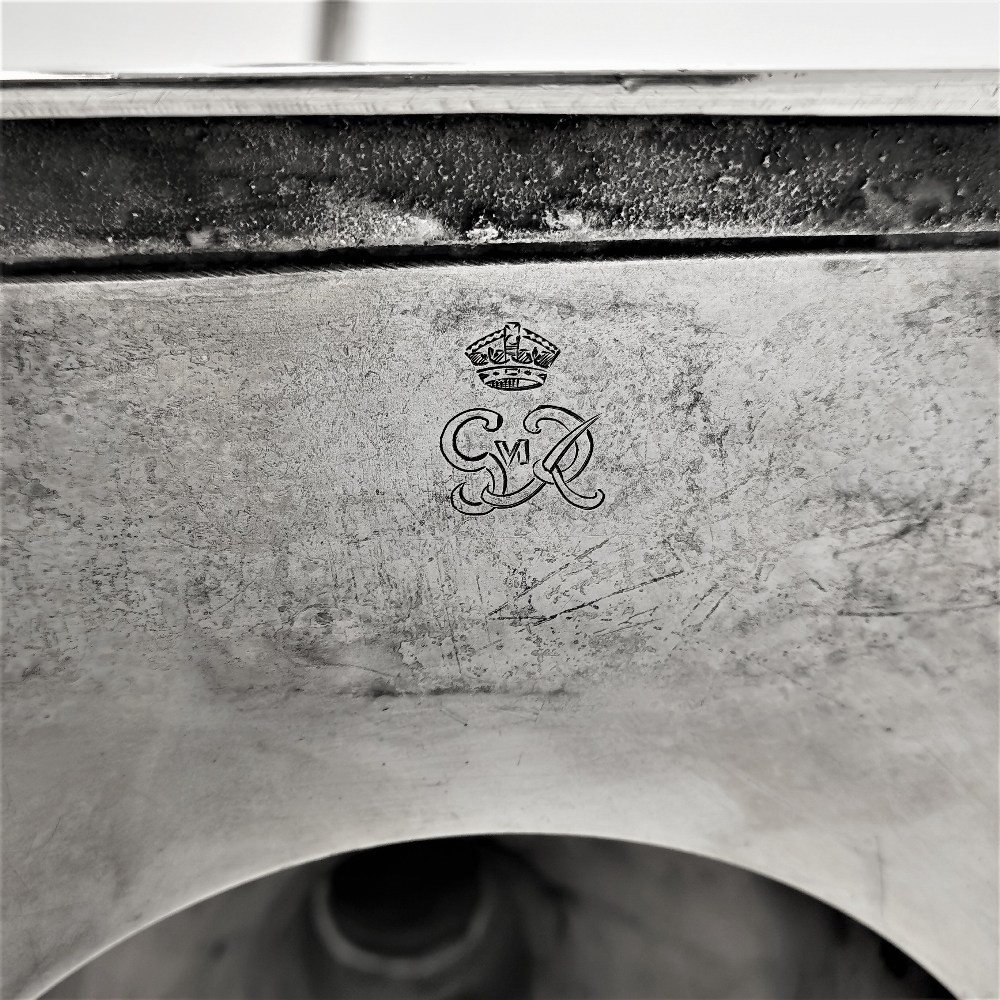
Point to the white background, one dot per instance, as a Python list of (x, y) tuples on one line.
[(165, 35)]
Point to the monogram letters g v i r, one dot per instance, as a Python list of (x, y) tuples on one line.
[(515, 359)]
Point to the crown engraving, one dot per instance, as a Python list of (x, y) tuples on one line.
[(513, 358)]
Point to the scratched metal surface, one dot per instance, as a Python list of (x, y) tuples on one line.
[(111, 189), (245, 626)]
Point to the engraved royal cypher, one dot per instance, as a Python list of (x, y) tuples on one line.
[(515, 359)]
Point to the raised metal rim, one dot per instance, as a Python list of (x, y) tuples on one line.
[(374, 90)]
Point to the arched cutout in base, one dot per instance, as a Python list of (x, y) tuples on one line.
[(546, 917)]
